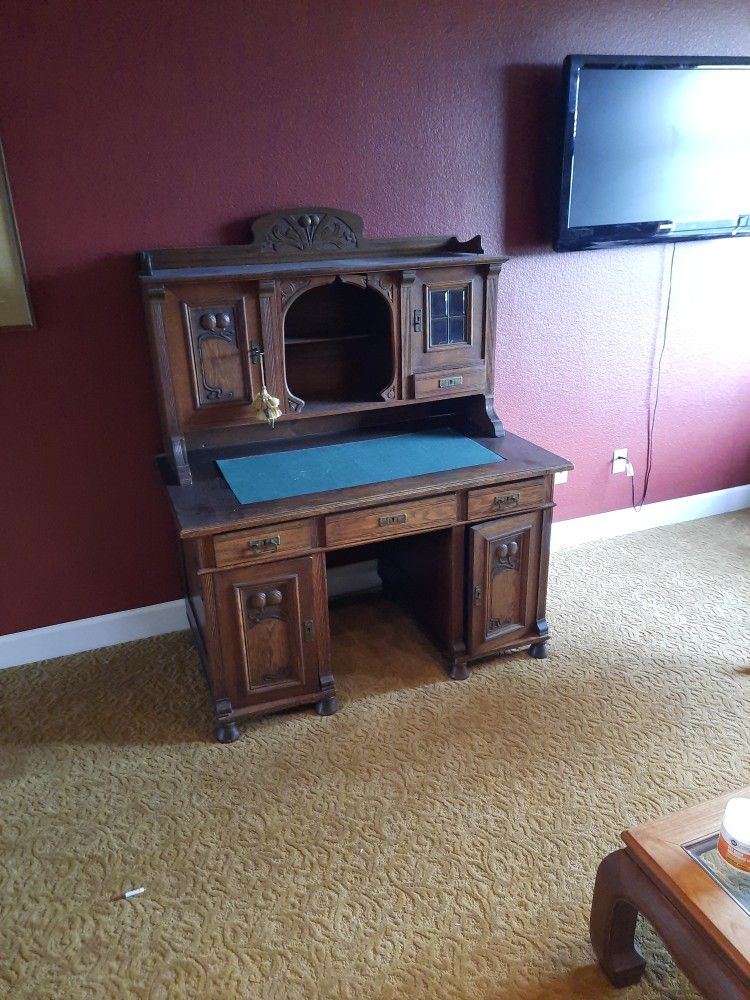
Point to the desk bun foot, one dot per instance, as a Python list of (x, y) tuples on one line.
[(327, 706), (539, 650), (225, 729), (459, 670), (227, 733)]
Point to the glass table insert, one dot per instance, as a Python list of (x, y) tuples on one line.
[(733, 881)]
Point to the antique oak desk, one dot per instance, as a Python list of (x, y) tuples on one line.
[(380, 346)]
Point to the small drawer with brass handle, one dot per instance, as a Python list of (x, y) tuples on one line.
[(290, 539), (446, 383), (395, 519), (494, 500)]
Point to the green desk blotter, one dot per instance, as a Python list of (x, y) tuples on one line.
[(273, 476)]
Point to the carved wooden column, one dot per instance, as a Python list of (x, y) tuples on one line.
[(176, 449)]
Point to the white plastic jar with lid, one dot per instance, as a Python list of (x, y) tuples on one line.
[(734, 837)]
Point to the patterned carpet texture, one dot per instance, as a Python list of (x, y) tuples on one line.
[(433, 839)]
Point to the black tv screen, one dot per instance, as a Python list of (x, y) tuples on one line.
[(654, 148)]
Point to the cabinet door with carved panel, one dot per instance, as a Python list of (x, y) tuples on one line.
[(273, 625), (504, 564), (204, 335)]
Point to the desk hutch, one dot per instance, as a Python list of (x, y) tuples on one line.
[(357, 340)]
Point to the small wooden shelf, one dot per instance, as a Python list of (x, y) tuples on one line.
[(290, 341)]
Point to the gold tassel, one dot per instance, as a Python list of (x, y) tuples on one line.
[(265, 406)]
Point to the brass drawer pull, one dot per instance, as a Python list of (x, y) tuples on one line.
[(447, 383), (508, 500), (392, 519), (264, 544)]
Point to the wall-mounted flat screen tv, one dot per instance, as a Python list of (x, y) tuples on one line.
[(654, 148)]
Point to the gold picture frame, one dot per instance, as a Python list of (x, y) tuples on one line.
[(15, 306)]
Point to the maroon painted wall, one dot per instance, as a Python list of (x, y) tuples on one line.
[(132, 124)]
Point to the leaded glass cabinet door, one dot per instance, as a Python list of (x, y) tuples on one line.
[(446, 320)]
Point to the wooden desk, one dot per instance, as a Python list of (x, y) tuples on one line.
[(356, 338), (256, 583), (706, 931)]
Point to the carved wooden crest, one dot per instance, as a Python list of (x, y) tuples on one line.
[(307, 230)]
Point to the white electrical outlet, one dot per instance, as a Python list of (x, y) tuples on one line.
[(561, 477), (619, 460)]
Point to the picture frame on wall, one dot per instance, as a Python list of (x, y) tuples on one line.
[(15, 306)]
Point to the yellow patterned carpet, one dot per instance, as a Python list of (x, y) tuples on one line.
[(433, 840)]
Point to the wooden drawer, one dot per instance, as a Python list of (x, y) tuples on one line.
[(450, 382), (506, 498), (256, 544), (407, 518)]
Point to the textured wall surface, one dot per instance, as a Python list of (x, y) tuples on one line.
[(130, 125)]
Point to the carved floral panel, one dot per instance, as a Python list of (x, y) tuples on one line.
[(271, 634), (216, 354)]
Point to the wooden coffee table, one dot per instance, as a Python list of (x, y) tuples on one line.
[(664, 873)]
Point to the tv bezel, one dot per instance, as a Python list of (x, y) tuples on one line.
[(569, 238)]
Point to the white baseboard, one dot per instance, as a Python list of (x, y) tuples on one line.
[(91, 633), (158, 619), (654, 515)]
